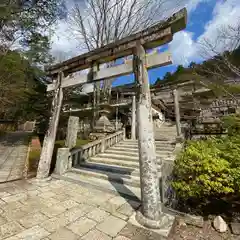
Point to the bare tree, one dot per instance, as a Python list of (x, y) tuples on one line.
[(99, 22), (221, 70), (222, 51)]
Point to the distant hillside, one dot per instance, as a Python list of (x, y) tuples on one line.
[(214, 68)]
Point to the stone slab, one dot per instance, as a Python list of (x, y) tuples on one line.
[(82, 226), (98, 215), (121, 238), (53, 224), (96, 235), (33, 233), (32, 219), (111, 226), (2, 220), (133, 232), (69, 204), (9, 229), (63, 234), (53, 210), (167, 222)]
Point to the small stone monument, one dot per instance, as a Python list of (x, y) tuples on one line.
[(103, 125), (72, 131)]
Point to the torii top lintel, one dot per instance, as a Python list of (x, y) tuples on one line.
[(154, 36)]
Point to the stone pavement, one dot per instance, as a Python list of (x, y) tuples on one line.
[(58, 210), (13, 153)]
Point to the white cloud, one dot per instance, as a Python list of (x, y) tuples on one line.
[(225, 14), (64, 45), (184, 49)]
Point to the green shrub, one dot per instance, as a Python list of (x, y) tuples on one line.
[(208, 169), (232, 124)]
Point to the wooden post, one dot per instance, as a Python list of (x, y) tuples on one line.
[(150, 194), (49, 139), (133, 125), (177, 113)]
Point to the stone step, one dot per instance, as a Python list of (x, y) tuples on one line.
[(169, 138), (128, 152), (133, 150), (110, 168), (165, 129), (130, 164), (130, 147), (112, 177), (124, 157), (157, 143), (165, 133), (121, 156), (129, 192), (135, 142)]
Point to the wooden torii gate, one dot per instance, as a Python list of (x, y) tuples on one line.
[(135, 45)]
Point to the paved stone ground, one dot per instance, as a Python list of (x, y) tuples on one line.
[(13, 152), (63, 210)]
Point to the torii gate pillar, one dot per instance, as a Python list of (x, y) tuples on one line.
[(150, 194), (49, 139)]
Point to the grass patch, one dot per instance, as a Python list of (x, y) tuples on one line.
[(33, 159), (61, 144), (35, 152), (80, 142), (2, 133)]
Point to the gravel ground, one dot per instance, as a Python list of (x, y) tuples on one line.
[(190, 232)]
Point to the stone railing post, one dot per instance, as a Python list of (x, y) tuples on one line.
[(124, 134), (102, 145), (63, 163), (133, 125), (72, 131)]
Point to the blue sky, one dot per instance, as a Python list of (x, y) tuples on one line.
[(197, 20), (205, 17)]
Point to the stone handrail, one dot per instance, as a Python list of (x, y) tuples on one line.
[(95, 147)]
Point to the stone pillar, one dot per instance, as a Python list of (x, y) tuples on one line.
[(63, 162), (103, 145), (124, 134), (133, 125), (117, 114), (94, 103), (49, 139), (72, 131), (150, 193), (177, 113)]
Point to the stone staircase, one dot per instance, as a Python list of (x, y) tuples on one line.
[(117, 169)]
